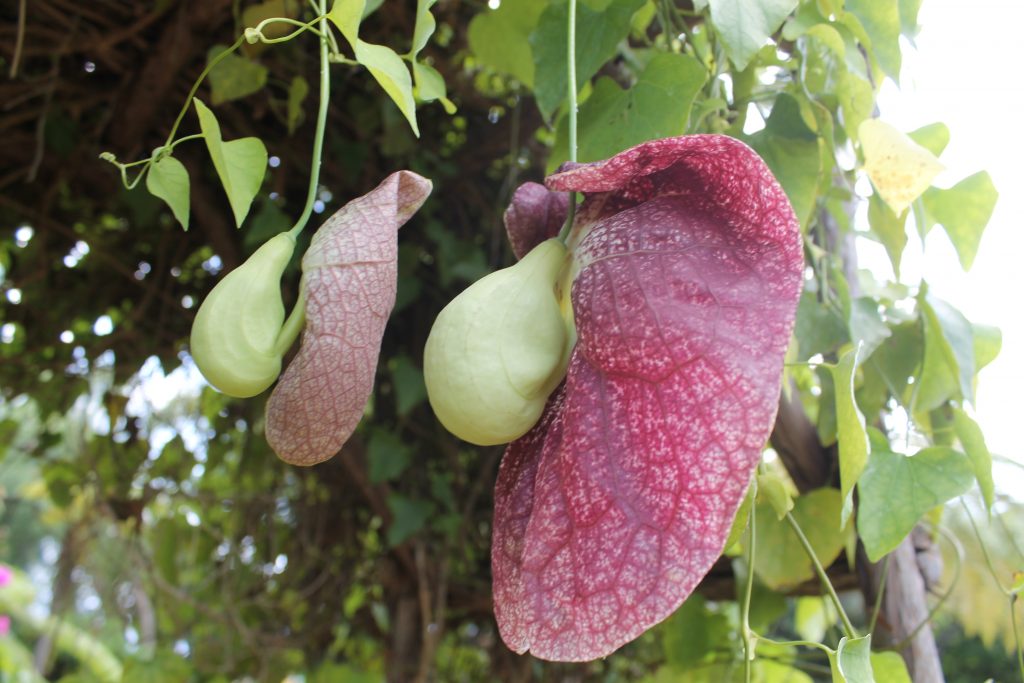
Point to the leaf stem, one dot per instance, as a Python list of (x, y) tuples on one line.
[(321, 124), (851, 632), (799, 643), (195, 136)]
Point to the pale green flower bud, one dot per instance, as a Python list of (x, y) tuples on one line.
[(498, 350), (235, 335)]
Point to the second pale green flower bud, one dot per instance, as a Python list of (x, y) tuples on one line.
[(498, 350)]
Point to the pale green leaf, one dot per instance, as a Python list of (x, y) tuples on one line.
[(500, 38), (881, 21), (598, 33), (745, 25), (233, 77), (297, 91), (828, 37), (430, 86), (347, 15), (775, 492), (771, 671), (791, 151), (890, 230), (866, 325), (807, 15), (889, 667), (852, 437), (392, 75), (781, 560), (948, 370), (857, 98), (241, 164), (425, 27), (851, 662), (383, 63), (908, 17), (988, 342), (168, 180), (934, 137), (900, 169), (973, 442), (819, 329), (963, 211), (371, 7), (896, 490), (658, 105), (689, 637), (812, 618)]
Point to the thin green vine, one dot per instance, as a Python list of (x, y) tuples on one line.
[(749, 639), (199, 81), (563, 234), (321, 123), (850, 631), (877, 608)]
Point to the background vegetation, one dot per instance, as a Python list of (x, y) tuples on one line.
[(149, 534)]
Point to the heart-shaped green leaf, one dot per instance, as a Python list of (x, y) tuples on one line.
[(896, 490), (963, 210), (168, 180), (241, 164)]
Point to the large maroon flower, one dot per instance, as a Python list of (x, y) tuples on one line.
[(610, 511)]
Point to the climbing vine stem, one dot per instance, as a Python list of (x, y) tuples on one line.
[(321, 123), (573, 106), (748, 588), (199, 81), (851, 632)]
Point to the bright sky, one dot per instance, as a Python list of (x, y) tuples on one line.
[(965, 73)]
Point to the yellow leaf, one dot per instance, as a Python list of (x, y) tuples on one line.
[(899, 168)]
